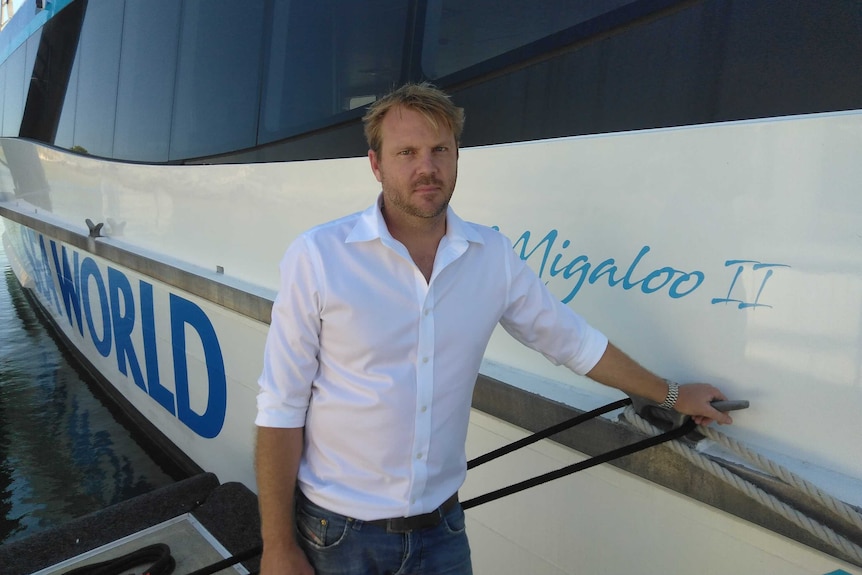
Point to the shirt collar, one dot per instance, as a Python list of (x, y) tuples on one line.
[(372, 226)]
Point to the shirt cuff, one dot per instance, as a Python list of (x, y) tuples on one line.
[(593, 346)]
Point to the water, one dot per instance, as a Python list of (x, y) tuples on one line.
[(63, 454)]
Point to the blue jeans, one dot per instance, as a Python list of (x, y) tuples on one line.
[(339, 545)]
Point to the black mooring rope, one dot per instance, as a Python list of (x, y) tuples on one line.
[(553, 430), (683, 429), (218, 566)]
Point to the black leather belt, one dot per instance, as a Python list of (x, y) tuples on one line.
[(417, 522)]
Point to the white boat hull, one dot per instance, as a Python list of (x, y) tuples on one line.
[(726, 253)]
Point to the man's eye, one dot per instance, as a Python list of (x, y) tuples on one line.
[(405, 152)]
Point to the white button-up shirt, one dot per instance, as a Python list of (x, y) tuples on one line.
[(379, 365)]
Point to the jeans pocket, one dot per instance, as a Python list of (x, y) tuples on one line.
[(455, 520), (319, 528)]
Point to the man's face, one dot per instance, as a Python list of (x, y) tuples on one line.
[(417, 165)]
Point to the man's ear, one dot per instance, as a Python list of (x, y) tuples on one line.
[(375, 164)]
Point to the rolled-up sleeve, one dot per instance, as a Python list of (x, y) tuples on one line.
[(540, 321), (290, 360)]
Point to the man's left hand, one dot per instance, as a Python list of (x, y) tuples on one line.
[(695, 400)]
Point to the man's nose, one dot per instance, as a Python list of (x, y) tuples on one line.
[(427, 163)]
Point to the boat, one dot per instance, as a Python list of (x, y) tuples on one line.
[(683, 173)]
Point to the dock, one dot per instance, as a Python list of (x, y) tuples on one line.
[(200, 519)]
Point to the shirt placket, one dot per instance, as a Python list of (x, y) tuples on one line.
[(424, 391)]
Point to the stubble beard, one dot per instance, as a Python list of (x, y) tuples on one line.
[(395, 198)]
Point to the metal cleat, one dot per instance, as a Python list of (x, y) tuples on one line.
[(95, 229)]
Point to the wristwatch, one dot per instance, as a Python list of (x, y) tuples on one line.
[(672, 395)]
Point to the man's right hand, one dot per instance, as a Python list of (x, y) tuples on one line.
[(290, 561)]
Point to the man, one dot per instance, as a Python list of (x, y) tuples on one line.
[(376, 339)]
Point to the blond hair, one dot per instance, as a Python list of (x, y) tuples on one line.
[(424, 98)]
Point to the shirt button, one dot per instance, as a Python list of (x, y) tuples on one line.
[(424, 408), (425, 359), (427, 311), (419, 455)]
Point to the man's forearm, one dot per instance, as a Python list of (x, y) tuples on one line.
[(618, 370), (277, 458)]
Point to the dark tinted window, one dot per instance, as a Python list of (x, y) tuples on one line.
[(16, 65), (522, 70), (218, 78), (32, 51), (2, 99), (15, 80), (461, 33), (328, 57), (98, 61), (52, 51), (707, 62), (66, 126), (146, 86), (27, 79), (13, 101)]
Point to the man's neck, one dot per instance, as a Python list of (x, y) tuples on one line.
[(420, 236), (412, 230)]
